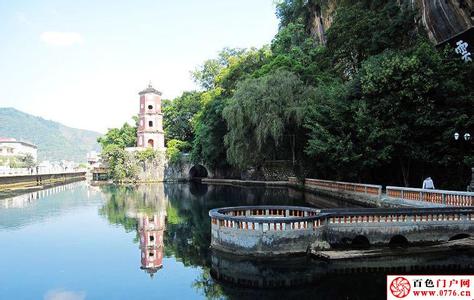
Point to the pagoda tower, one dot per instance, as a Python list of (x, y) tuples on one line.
[(150, 132), (151, 229)]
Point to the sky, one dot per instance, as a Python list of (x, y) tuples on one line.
[(82, 63)]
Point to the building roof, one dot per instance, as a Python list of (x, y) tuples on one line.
[(14, 141), (2, 139), (151, 271), (150, 89)]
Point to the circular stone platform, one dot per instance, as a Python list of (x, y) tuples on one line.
[(263, 230)]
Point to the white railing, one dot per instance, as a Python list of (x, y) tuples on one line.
[(450, 198), (369, 189)]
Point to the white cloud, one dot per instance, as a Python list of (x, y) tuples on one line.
[(61, 38), (64, 295)]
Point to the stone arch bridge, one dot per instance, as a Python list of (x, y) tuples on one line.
[(187, 170)]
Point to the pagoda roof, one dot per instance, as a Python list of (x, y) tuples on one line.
[(150, 89)]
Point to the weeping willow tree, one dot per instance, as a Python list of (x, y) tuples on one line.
[(264, 117)]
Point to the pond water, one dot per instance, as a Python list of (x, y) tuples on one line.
[(106, 242)]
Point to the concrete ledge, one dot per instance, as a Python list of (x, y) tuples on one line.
[(397, 202), (361, 199), (263, 230), (28, 181), (279, 230), (243, 182)]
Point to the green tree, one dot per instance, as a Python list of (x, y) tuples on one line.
[(243, 65), (206, 74), (145, 155), (178, 116), (209, 124), (367, 28), (119, 163), (261, 112), (113, 145), (28, 161), (343, 141), (419, 97), (126, 136), (174, 148), (209, 130)]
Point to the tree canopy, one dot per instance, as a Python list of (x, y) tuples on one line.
[(377, 103)]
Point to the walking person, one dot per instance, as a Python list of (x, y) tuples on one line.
[(428, 184)]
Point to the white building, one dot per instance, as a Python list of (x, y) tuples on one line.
[(92, 158), (10, 147)]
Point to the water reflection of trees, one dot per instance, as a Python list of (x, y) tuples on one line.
[(187, 238), (187, 234), (114, 209)]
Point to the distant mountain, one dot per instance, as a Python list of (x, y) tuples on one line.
[(54, 140)]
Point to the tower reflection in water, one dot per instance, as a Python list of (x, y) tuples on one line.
[(151, 228), (148, 206), (142, 209)]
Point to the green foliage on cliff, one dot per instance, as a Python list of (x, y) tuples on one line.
[(358, 32), (210, 129), (260, 114), (377, 103), (178, 116), (174, 148)]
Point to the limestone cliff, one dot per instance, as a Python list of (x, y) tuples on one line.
[(442, 19), (445, 18)]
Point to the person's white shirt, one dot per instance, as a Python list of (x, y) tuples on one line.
[(428, 184)]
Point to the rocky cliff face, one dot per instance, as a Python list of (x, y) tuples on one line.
[(441, 18), (445, 18)]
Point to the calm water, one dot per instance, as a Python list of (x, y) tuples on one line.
[(84, 242)]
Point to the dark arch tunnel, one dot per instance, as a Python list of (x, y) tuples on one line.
[(360, 242), (460, 236), (198, 171), (398, 241)]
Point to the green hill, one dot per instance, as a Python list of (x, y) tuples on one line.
[(54, 140)]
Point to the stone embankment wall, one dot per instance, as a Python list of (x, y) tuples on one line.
[(157, 169), (152, 170), (28, 181), (361, 194), (276, 170), (263, 230), (277, 230)]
